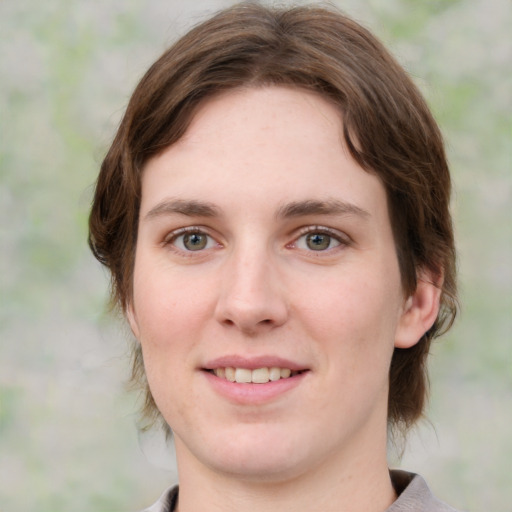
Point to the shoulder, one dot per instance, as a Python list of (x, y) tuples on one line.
[(414, 495), (166, 502)]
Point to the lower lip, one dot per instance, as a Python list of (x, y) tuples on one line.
[(253, 394)]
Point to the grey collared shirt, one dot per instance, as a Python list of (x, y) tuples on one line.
[(413, 493)]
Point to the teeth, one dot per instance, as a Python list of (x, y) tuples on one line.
[(229, 374), (285, 373), (258, 376), (243, 375), (274, 373)]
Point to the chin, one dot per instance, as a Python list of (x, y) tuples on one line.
[(256, 456), (261, 468)]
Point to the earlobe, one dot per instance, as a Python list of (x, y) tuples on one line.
[(419, 312), (132, 319)]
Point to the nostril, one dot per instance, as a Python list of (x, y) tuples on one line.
[(250, 315)]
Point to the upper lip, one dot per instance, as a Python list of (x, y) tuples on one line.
[(252, 363)]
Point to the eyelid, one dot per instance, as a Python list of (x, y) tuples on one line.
[(340, 236), (343, 239), (183, 231), (171, 237)]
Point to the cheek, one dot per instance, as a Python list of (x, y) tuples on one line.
[(168, 313), (355, 319), (355, 302), (169, 305)]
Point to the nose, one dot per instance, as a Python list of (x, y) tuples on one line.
[(251, 296)]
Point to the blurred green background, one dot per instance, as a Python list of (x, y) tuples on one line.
[(68, 437)]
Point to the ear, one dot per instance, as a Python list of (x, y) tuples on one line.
[(419, 311), (132, 319)]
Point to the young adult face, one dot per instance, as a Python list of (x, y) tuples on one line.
[(262, 244)]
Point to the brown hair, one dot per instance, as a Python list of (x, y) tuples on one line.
[(387, 127)]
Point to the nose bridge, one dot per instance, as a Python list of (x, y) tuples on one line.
[(251, 295)]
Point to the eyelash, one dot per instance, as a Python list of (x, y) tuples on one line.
[(341, 239), (170, 240)]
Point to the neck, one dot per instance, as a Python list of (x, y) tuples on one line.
[(356, 484)]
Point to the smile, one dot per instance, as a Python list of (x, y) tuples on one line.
[(256, 376)]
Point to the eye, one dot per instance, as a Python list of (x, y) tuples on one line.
[(319, 240), (191, 240)]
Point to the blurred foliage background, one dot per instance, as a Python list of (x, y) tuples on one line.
[(68, 436)]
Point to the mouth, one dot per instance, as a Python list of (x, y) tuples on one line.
[(262, 375), (256, 380)]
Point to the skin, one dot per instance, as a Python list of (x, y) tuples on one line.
[(259, 170)]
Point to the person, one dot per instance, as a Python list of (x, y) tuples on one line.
[(274, 213)]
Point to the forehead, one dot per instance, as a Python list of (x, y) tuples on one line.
[(249, 111), (265, 145)]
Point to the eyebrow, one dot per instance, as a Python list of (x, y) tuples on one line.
[(190, 208), (314, 207), (194, 208)]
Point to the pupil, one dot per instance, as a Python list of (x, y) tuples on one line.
[(194, 241), (318, 241)]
